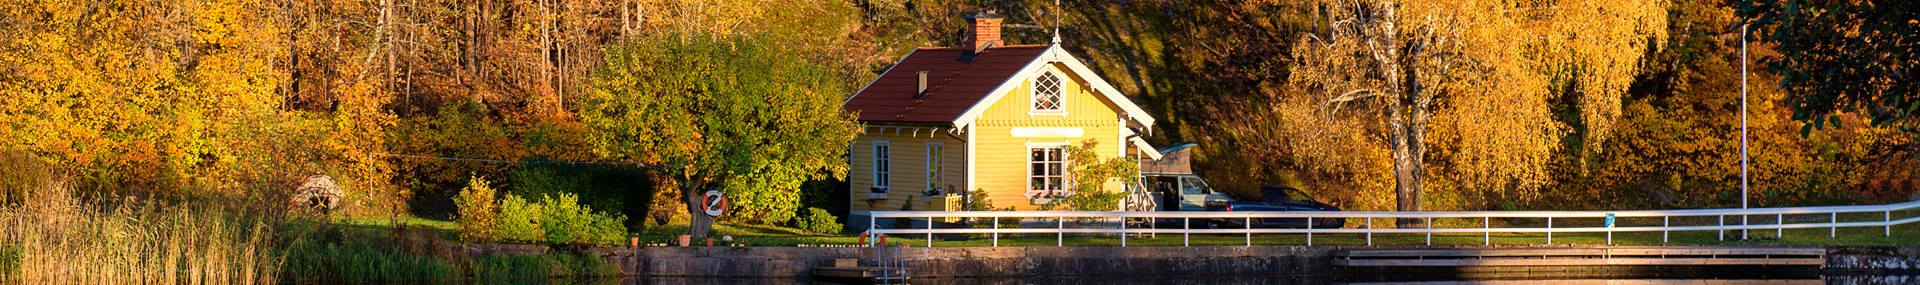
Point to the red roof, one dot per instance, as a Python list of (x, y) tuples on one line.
[(953, 86)]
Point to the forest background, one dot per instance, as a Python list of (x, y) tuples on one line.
[(1568, 105)]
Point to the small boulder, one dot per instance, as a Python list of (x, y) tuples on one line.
[(318, 192)]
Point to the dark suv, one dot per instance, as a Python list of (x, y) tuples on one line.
[(1286, 199)]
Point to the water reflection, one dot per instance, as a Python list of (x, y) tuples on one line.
[(1285, 280)]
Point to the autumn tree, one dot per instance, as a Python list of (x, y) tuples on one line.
[(736, 114), (1479, 77), (1842, 56)]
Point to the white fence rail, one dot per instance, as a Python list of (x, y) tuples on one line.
[(1115, 222)]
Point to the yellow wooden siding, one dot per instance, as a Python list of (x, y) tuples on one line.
[(908, 174), (1001, 169)]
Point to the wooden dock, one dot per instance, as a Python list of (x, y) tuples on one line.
[(1598, 256), (1612, 261), (849, 271)]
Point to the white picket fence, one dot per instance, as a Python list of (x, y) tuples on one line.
[(1113, 222)]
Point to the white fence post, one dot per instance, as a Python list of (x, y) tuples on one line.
[(1887, 216), (1549, 230), (1060, 232), (1309, 231), (1723, 225), (1123, 232), (1666, 223), (1486, 230), (872, 224), (1833, 225), (1429, 223), (1779, 225), (929, 231), (1249, 224), (1369, 231), (996, 231), (1186, 235)]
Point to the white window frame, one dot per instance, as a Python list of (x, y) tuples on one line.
[(1033, 94), (937, 167), (882, 172), (1065, 163)]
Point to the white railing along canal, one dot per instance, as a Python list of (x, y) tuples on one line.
[(1114, 222)]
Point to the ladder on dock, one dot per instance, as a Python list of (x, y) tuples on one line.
[(892, 267), (889, 266)]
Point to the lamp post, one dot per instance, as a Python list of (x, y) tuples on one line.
[(1743, 129)]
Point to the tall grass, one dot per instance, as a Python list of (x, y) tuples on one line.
[(333, 253), (55, 238)]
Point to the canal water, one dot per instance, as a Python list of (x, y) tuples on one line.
[(1849, 280)]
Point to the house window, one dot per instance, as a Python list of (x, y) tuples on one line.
[(880, 167), (1046, 171), (936, 172), (1046, 93)]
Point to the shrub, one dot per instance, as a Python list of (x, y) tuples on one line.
[(520, 220), (819, 221), (977, 200), (477, 215), (567, 222)]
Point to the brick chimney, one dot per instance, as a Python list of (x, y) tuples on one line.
[(983, 30)]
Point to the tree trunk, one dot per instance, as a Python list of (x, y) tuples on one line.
[(1406, 164), (699, 225)]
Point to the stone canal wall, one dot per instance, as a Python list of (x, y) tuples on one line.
[(797, 262), (1873, 260)]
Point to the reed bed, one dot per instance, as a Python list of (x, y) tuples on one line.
[(55, 238)]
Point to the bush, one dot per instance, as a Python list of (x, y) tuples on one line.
[(478, 215), (23, 176), (819, 221), (567, 222), (977, 200), (520, 220)]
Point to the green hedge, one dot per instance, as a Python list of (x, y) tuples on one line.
[(819, 221)]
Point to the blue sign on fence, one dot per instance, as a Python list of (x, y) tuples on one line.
[(1609, 220)]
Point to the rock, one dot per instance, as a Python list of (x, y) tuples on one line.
[(318, 192)]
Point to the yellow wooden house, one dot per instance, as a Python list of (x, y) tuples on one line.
[(984, 116)]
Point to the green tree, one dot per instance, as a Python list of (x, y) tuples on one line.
[(1091, 178), (704, 112)]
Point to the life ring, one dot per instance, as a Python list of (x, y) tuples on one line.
[(708, 205)]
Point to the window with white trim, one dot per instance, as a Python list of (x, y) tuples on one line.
[(880, 167), (1046, 171), (1047, 97), (936, 168)]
